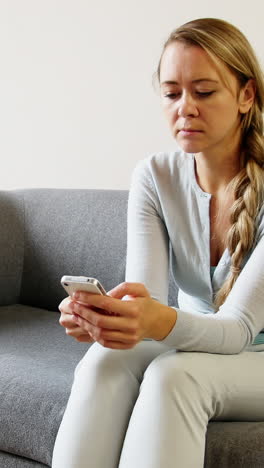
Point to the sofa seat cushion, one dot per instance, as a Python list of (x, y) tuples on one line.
[(234, 444), (13, 461), (37, 362)]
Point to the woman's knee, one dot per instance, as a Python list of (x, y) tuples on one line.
[(101, 365), (176, 373), (100, 362), (112, 362)]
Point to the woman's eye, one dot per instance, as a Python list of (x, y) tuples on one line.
[(204, 94), (171, 95), (200, 94)]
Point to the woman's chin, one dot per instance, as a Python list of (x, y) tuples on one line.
[(193, 143), (190, 148)]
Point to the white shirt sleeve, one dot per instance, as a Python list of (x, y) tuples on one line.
[(238, 320), (147, 238)]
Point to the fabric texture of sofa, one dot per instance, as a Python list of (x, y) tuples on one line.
[(44, 234)]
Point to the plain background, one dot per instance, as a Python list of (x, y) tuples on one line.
[(77, 105)]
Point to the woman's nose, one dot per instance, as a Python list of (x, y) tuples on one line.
[(187, 106)]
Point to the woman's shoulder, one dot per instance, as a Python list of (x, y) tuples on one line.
[(164, 165)]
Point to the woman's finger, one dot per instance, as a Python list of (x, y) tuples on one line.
[(125, 322), (117, 336), (128, 289), (85, 339), (67, 321), (110, 305), (102, 334), (66, 305), (116, 345), (120, 291), (82, 337), (78, 332)]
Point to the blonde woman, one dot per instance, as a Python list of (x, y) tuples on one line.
[(146, 403)]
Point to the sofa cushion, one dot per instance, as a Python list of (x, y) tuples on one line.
[(37, 362), (38, 245), (13, 461), (11, 246), (71, 232), (234, 444)]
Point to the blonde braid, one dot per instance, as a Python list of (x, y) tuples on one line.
[(248, 188)]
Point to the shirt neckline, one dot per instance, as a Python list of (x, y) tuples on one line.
[(225, 257), (196, 186)]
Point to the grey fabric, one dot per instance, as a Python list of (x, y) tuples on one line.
[(75, 232), (11, 246), (52, 232), (235, 445), (12, 461), (44, 234), (37, 360)]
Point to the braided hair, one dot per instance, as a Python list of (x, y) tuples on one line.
[(221, 40)]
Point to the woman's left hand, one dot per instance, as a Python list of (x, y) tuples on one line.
[(134, 318)]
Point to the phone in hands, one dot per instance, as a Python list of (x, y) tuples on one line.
[(82, 283)]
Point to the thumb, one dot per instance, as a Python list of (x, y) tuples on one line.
[(129, 289)]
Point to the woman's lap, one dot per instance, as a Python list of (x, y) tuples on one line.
[(151, 405), (236, 382)]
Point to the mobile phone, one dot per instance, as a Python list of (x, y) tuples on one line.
[(82, 283)]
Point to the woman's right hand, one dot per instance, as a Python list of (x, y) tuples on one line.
[(67, 321)]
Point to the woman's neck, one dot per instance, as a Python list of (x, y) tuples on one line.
[(213, 174)]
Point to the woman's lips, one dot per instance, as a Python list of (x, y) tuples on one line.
[(189, 131)]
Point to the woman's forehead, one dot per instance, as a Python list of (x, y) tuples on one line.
[(182, 61)]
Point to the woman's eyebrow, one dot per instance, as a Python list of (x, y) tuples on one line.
[(205, 79), (199, 80)]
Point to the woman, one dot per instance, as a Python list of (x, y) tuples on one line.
[(147, 403)]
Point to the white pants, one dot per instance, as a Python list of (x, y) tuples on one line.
[(148, 407)]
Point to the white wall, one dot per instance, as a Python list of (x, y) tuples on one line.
[(77, 107)]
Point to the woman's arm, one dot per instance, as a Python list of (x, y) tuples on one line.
[(228, 331), (236, 323), (232, 328), (239, 319), (147, 236)]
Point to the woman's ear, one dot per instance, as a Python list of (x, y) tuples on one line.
[(247, 96)]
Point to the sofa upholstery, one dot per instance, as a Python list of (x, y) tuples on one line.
[(44, 234)]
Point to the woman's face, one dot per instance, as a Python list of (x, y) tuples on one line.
[(202, 111)]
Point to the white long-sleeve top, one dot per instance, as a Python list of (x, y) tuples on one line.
[(167, 208)]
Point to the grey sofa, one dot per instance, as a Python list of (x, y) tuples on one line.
[(45, 233)]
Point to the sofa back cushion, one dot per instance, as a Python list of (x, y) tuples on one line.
[(11, 246), (48, 233), (71, 232)]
